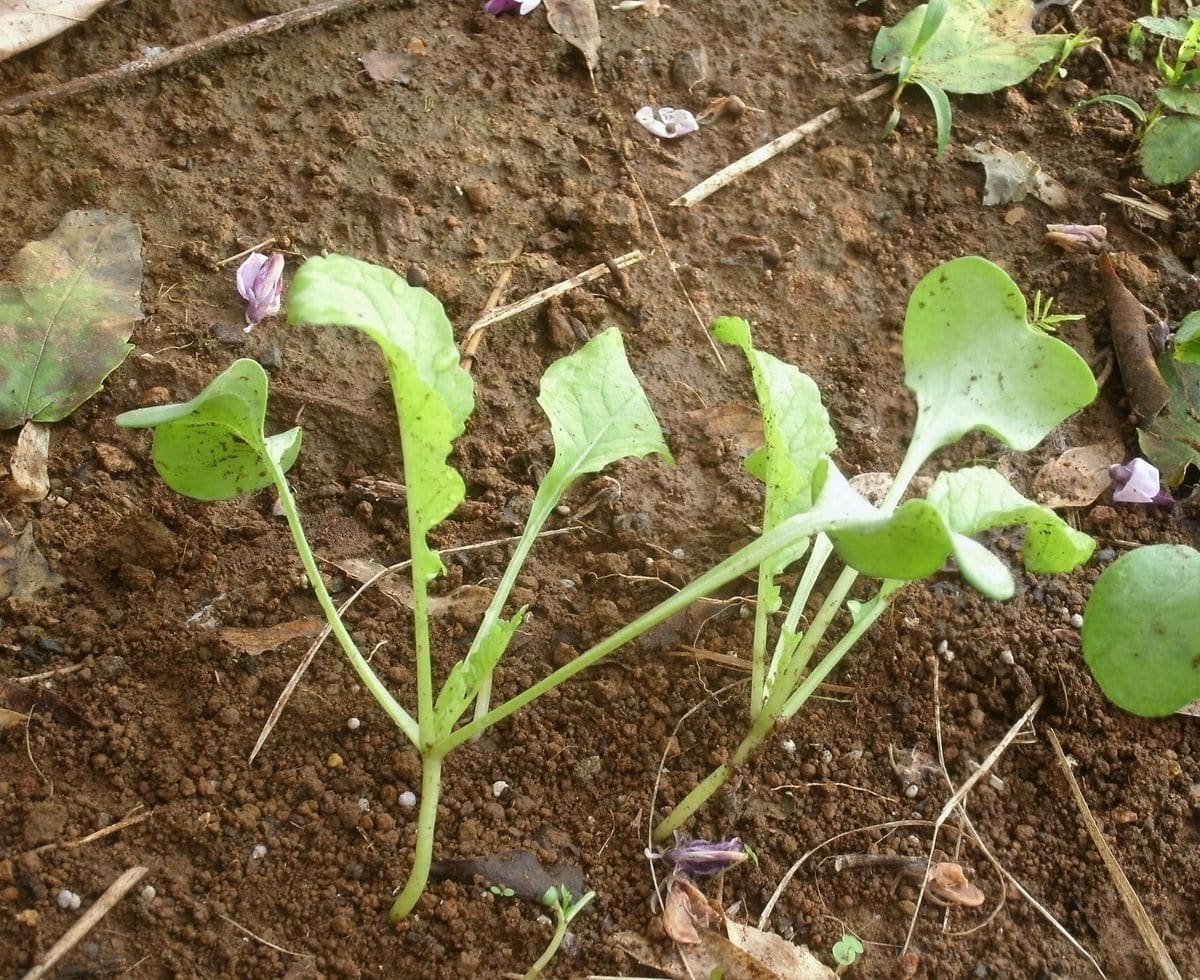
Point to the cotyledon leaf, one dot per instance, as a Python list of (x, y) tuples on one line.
[(66, 313), (213, 447)]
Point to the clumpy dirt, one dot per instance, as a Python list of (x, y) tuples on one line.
[(500, 146)]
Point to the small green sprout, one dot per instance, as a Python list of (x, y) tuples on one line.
[(501, 891), (846, 951), (558, 900), (1046, 321)]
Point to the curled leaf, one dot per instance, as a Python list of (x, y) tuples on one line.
[(575, 21)]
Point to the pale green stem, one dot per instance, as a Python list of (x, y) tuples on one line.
[(737, 564), (784, 647), (394, 710), (423, 559), (758, 651), (539, 513), (563, 919), (418, 877)]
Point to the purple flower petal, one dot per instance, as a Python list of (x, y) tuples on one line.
[(702, 857), (1138, 483), (498, 7), (260, 284)]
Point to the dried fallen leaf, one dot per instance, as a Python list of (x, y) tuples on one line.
[(1078, 476), (740, 423), (30, 473), (684, 910), (22, 699), (466, 604), (387, 66), (1144, 384), (1011, 177), (948, 885), (25, 23), (254, 641), (23, 571), (575, 21), (780, 957), (12, 719)]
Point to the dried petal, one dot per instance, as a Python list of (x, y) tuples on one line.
[(685, 907), (702, 857), (666, 122), (260, 283), (1078, 238), (948, 885), (1138, 483)]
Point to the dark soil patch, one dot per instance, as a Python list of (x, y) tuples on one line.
[(500, 145)]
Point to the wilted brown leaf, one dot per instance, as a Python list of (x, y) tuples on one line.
[(780, 957), (1078, 476), (66, 313), (25, 23), (29, 467), (387, 66), (739, 423), (575, 21), (465, 604), (23, 570), (258, 640)]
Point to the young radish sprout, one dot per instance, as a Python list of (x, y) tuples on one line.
[(975, 363), (558, 899)]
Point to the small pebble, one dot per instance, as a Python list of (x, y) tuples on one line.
[(149, 893), (407, 799), (353, 724), (67, 899), (498, 787), (678, 553), (1006, 657), (364, 805), (1077, 621), (259, 852), (911, 791), (789, 745), (334, 761)]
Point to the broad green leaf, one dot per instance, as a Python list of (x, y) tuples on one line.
[(1141, 630), (1187, 339), (974, 361), (467, 676), (796, 430), (980, 46), (598, 412), (1180, 100), (942, 113), (433, 394), (1172, 441), (1176, 29), (1170, 151), (213, 447), (66, 314), (979, 499), (910, 543)]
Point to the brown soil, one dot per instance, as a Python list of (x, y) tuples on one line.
[(500, 145)]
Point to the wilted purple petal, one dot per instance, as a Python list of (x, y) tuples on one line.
[(260, 283), (666, 122), (702, 857), (498, 7), (1138, 483)]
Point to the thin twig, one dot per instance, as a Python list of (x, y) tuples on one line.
[(128, 821), (475, 336), (765, 152), (960, 794), (1154, 944), (83, 925), (156, 62), (244, 252), (29, 751), (265, 942), (549, 293), (30, 678)]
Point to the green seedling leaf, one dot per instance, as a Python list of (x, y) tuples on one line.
[(213, 447), (433, 394), (911, 543), (1170, 152), (1172, 440), (942, 113), (66, 314), (1187, 339), (796, 430), (598, 412), (979, 499), (467, 676), (847, 949), (979, 46), (1170, 27), (1141, 630), (1180, 100), (1132, 106), (974, 361)]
